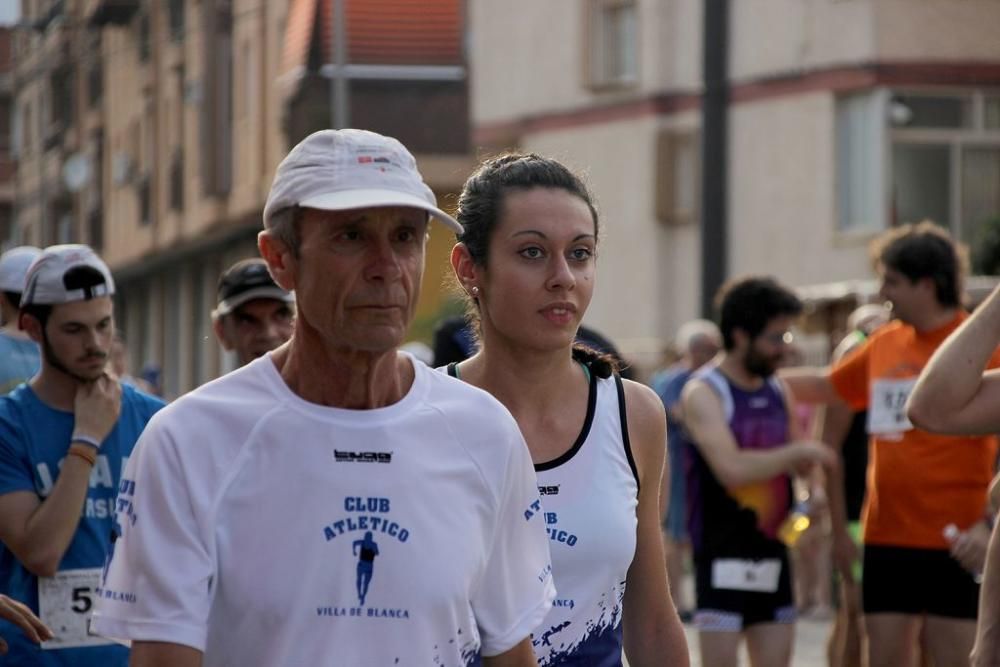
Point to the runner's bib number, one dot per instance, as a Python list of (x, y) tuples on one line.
[(887, 408), (737, 574), (65, 603)]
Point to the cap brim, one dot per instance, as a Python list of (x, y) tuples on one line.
[(369, 198), (227, 306)]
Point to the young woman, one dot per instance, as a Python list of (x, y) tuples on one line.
[(527, 261)]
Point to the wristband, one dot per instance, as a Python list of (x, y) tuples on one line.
[(85, 439), (85, 452)]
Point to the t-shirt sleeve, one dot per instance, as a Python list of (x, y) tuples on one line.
[(850, 377), (15, 467), (157, 585), (516, 589), (994, 360)]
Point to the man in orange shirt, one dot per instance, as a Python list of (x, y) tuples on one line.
[(916, 581)]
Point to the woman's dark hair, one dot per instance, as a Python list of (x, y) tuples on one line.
[(480, 207), (925, 250), (750, 304), (601, 364)]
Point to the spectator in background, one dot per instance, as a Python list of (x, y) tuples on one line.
[(19, 355), (698, 341), (254, 315), (845, 431), (119, 364)]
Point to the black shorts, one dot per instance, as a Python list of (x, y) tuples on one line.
[(729, 609), (902, 580)]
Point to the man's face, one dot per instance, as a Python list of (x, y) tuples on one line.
[(78, 336), (765, 353), (357, 276), (255, 328), (908, 298)]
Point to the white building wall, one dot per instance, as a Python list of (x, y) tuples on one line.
[(782, 193), (647, 280)]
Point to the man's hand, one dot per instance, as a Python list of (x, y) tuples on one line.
[(97, 406), (969, 547), (810, 452), (845, 554), (20, 615)]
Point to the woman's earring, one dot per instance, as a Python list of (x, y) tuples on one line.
[(474, 292)]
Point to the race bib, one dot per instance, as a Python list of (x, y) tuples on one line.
[(736, 574), (887, 407), (65, 603)]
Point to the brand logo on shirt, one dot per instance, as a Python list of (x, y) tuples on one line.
[(548, 490), (362, 457)]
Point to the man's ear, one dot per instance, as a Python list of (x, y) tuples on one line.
[(281, 260), (31, 326), (741, 339), (464, 267), (218, 326)]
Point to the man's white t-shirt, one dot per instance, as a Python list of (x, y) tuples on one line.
[(262, 529)]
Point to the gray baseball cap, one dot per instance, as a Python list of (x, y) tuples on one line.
[(65, 273), (338, 170), (14, 266)]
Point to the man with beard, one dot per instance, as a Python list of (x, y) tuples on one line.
[(64, 439), (916, 580), (739, 491)]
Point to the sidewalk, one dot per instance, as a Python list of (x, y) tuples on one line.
[(810, 644)]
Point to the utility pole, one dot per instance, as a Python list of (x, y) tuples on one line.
[(714, 150), (339, 88)]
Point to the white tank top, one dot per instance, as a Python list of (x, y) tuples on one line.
[(589, 496)]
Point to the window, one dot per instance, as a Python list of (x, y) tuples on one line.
[(177, 181), (612, 43), (145, 202), (176, 11), (905, 157), (143, 36)]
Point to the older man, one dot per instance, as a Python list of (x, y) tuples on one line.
[(333, 502), (254, 315)]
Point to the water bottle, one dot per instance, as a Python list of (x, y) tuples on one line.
[(951, 533), (795, 525)]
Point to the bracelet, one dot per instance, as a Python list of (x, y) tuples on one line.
[(85, 452), (86, 439)]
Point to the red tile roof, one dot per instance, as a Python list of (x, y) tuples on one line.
[(380, 32)]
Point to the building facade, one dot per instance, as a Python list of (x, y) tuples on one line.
[(151, 130), (845, 117)]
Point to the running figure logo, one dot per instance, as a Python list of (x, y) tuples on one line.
[(366, 563)]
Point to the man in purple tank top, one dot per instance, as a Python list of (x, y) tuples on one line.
[(739, 492)]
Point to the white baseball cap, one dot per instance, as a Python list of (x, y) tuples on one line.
[(336, 170), (65, 273), (14, 266)]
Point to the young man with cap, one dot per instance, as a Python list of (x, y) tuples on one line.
[(64, 439), (333, 502), (19, 358), (254, 315)]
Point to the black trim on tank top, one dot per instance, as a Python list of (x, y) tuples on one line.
[(584, 432), (623, 417)]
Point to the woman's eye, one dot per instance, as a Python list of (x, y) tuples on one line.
[(582, 254), (531, 253)]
